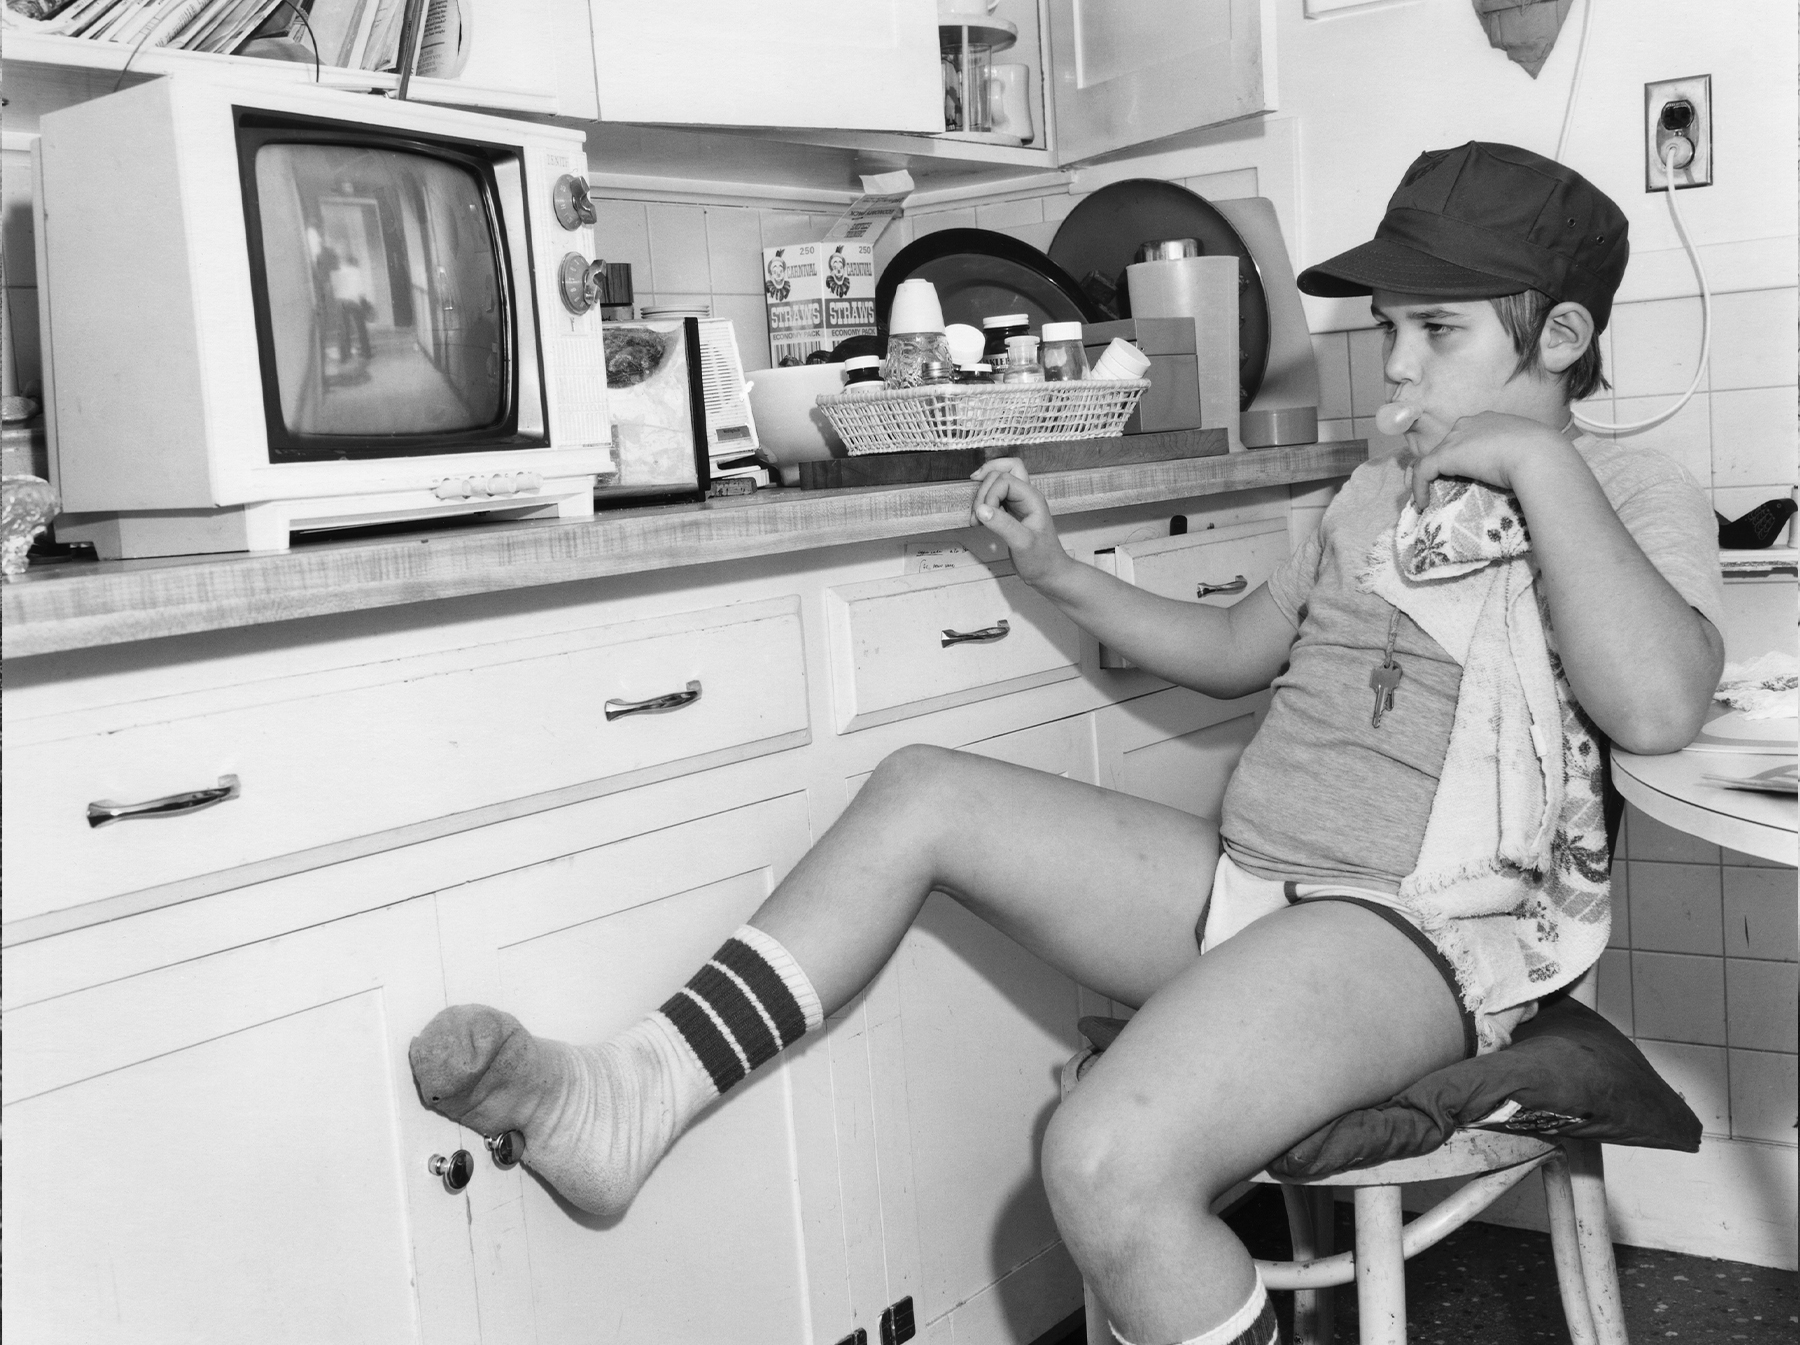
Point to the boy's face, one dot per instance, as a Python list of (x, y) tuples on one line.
[(1451, 358)]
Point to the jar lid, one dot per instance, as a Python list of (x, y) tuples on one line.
[(1008, 320), (856, 362), (1022, 345), (979, 367), (929, 369), (1062, 331)]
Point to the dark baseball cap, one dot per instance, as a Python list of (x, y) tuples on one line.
[(1483, 220)]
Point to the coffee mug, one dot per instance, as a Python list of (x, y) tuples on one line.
[(1009, 101)]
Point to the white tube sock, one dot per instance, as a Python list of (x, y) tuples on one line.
[(1252, 1324)]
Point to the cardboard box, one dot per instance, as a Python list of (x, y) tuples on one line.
[(818, 295)]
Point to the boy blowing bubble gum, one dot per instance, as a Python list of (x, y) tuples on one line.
[(1411, 852)]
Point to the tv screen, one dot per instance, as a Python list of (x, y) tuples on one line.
[(383, 304)]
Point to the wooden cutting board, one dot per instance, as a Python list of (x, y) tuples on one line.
[(957, 464)]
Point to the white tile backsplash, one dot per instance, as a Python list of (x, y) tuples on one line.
[(1753, 341), (1620, 934), (1700, 1074), (622, 234), (734, 250), (1614, 988), (1675, 908), (1685, 437), (1331, 352), (1656, 347), (1763, 1087), (1762, 1004), (678, 256), (1368, 385), (1759, 913), (1006, 216), (1754, 439), (1678, 997)]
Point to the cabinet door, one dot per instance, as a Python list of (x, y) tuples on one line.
[(1176, 746), (969, 1033), (1126, 72), (230, 1150), (846, 64), (736, 1235)]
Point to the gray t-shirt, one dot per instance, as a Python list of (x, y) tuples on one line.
[(1320, 795)]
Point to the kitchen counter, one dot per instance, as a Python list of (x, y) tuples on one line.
[(84, 604)]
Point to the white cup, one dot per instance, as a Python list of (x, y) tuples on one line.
[(1009, 101), (1121, 359), (949, 11), (916, 308)]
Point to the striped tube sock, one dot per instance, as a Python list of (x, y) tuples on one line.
[(1252, 1324), (597, 1119), (748, 1003)]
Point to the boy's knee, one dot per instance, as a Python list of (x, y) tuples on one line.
[(1105, 1180)]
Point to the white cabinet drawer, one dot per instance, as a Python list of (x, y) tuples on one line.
[(924, 642), (358, 751), (1217, 567)]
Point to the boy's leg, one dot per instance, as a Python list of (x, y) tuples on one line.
[(1105, 887), (1303, 1016)]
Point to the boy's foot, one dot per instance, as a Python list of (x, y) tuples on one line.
[(595, 1118)]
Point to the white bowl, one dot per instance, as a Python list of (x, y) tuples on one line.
[(790, 427)]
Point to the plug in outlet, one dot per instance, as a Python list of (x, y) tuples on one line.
[(1678, 111)]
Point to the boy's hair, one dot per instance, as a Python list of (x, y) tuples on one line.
[(1524, 315)]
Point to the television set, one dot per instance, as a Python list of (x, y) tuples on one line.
[(272, 308)]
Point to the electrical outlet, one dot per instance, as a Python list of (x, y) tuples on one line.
[(1680, 111)]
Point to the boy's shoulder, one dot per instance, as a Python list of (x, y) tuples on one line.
[(1625, 469)]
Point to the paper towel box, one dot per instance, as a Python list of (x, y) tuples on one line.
[(818, 294)]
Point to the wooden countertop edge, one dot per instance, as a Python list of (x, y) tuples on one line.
[(80, 606)]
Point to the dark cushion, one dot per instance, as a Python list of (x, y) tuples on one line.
[(1569, 1071)]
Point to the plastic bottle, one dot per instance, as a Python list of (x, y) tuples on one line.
[(1063, 355), (862, 374), (1022, 361), (998, 330)]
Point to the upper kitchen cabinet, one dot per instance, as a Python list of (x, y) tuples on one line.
[(858, 64), (506, 55), (1126, 72)]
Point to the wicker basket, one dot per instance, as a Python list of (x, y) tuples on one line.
[(982, 416)]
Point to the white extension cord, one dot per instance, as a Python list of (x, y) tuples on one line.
[(1597, 426)]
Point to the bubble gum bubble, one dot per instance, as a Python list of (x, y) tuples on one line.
[(1394, 418)]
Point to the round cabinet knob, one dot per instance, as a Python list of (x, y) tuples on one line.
[(456, 1170), (569, 198), (508, 1149)]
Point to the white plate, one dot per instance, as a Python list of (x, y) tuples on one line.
[(1733, 732)]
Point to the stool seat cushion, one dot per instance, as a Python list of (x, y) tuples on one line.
[(1568, 1072)]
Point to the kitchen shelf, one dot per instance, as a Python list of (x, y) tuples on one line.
[(73, 54), (81, 604)]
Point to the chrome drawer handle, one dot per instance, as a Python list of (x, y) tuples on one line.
[(656, 705), (998, 631), (102, 812), (1237, 585)]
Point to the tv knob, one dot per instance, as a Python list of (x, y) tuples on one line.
[(582, 283), (569, 199), (501, 484)]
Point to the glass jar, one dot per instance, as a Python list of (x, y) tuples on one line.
[(1063, 356), (908, 351), (1022, 361), (997, 331)]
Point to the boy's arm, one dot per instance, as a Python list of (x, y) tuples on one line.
[(1642, 662), (1219, 651)]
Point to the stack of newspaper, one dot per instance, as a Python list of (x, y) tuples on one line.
[(354, 34)]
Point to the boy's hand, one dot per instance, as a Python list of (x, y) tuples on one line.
[(1010, 507), (1492, 448)]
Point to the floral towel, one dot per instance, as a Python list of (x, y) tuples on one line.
[(1763, 688), (1514, 870)]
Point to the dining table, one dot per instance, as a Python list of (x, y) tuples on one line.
[(1687, 790)]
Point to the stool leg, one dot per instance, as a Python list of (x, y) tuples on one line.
[(1380, 1268), (1587, 1177), (1324, 1244), (1565, 1245), (1099, 1330), (1302, 1231)]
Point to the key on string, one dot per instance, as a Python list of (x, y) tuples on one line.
[(1384, 679)]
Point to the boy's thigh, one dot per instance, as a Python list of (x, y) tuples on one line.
[(1105, 886), (1306, 1014)]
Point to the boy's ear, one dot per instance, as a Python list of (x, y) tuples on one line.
[(1568, 332)]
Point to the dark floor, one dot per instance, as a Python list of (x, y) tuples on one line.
[(1485, 1285)]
